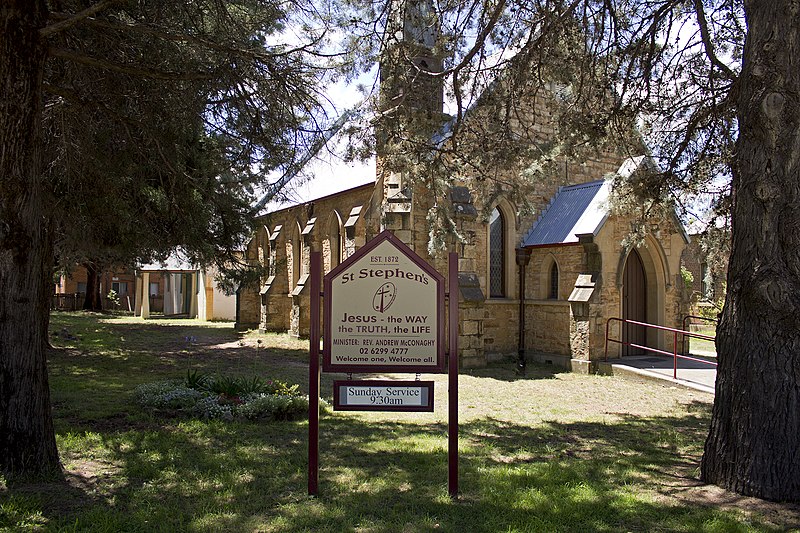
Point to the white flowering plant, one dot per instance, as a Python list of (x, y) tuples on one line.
[(167, 395), (225, 398)]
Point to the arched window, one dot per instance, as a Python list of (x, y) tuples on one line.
[(552, 292), (497, 255), (336, 245)]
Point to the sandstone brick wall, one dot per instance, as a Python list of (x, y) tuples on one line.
[(470, 339), (249, 309), (501, 327), (289, 254), (548, 320), (548, 327)]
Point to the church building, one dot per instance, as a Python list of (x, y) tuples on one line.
[(540, 282)]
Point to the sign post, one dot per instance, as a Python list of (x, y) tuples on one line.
[(383, 312), (452, 378), (313, 378)]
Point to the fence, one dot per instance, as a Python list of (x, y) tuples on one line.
[(67, 302), (74, 302)]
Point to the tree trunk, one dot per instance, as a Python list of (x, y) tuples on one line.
[(93, 300), (754, 444), (27, 439)]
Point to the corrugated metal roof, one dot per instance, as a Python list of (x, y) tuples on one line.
[(575, 209), (582, 209)]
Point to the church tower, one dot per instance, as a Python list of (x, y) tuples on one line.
[(409, 62), (411, 103)]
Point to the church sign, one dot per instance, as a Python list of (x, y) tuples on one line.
[(384, 311)]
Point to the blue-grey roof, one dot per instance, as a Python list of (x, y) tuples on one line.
[(575, 209)]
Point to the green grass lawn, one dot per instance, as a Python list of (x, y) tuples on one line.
[(548, 452)]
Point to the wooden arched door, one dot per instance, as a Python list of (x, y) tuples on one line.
[(634, 303)]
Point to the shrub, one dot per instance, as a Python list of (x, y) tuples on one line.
[(225, 385), (281, 387), (274, 406), (232, 387), (225, 398), (166, 394), (113, 297), (196, 380), (251, 386), (211, 408), (688, 279)]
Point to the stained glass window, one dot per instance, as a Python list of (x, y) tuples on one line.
[(497, 255), (553, 294)]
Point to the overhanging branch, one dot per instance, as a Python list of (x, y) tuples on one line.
[(707, 44), (47, 31), (81, 59)]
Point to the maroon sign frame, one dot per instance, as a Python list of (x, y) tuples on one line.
[(314, 377), (359, 255), (425, 407)]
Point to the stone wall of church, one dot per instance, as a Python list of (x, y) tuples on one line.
[(534, 120), (548, 319), (488, 327), (471, 318), (548, 327), (547, 322), (283, 299), (501, 328), (249, 308)]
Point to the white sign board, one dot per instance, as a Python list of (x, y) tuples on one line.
[(383, 395), (383, 311)]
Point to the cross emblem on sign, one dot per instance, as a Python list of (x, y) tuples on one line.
[(384, 297)]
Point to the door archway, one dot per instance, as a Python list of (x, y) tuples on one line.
[(634, 303)]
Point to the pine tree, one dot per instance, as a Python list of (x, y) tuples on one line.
[(126, 129)]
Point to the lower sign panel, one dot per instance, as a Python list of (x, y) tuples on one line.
[(383, 395)]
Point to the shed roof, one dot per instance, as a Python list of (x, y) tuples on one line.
[(582, 209)]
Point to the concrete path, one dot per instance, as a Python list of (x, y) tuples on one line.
[(691, 374)]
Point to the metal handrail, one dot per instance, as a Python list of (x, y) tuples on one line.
[(696, 335), (674, 352)]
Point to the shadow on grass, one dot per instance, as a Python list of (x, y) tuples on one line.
[(131, 471), (97, 363), (507, 371), (95, 331), (390, 476)]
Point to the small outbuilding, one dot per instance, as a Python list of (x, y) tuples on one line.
[(183, 289)]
